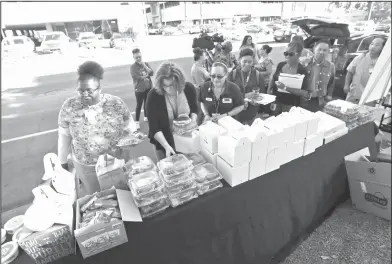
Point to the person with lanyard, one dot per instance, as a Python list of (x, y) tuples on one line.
[(286, 97), (90, 124), (141, 73), (220, 97), (170, 98), (250, 81), (321, 78), (360, 69)]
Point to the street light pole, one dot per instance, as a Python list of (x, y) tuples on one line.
[(371, 10)]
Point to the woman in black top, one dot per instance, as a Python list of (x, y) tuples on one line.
[(292, 96), (220, 97), (170, 98), (249, 80)]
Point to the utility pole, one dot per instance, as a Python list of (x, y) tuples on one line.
[(371, 10), (201, 13)]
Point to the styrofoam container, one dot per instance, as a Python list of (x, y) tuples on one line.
[(14, 224)]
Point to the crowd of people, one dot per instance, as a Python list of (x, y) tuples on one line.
[(90, 122)]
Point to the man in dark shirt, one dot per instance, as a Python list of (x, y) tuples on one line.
[(141, 73)]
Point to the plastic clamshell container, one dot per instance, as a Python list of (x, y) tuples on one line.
[(3, 235), (206, 173), (139, 165), (183, 197), (9, 252), (209, 187), (181, 188), (154, 208), (182, 178), (150, 198), (174, 165), (144, 183), (14, 224), (195, 158)]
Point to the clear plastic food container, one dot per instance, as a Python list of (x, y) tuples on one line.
[(206, 173), (174, 165), (181, 178), (183, 197), (209, 187), (147, 199), (154, 208), (139, 165), (195, 158), (176, 189), (144, 183)]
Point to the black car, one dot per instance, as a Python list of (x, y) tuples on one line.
[(344, 46)]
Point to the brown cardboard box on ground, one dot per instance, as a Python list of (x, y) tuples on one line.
[(103, 236), (370, 184)]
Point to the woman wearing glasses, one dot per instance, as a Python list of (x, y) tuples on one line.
[(220, 97), (90, 124), (250, 81), (287, 97), (170, 98)]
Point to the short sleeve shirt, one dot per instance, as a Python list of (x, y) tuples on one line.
[(199, 75), (229, 99), (94, 129)]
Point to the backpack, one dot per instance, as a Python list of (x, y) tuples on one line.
[(257, 76)]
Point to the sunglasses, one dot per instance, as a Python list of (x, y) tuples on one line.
[(288, 54), (220, 77)]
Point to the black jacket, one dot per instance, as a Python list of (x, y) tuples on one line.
[(157, 114)]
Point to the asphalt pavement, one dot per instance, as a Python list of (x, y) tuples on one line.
[(29, 123)]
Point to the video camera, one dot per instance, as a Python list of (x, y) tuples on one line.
[(206, 41)]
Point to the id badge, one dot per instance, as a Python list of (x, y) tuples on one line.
[(227, 100), (208, 99)]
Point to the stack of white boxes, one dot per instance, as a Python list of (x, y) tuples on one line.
[(209, 134), (331, 127)]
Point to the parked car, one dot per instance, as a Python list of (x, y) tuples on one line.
[(88, 39), (274, 26), (233, 32), (366, 26), (20, 45), (286, 33), (344, 46), (193, 29), (121, 41), (55, 41), (155, 31), (384, 26), (169, 30), (253, 28), (207, 28)]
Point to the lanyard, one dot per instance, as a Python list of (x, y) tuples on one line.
[(247, 79), (216, 100)]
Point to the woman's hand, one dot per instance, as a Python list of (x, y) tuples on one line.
[(280, 85), (207, 118), (346, 89), (169, 151)]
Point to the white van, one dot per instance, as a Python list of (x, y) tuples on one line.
[(19, 44), (55, 41)]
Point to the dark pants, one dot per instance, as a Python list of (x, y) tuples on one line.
[(141, 98), (313, 105)]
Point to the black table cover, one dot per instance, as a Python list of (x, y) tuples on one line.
[(260, 221)]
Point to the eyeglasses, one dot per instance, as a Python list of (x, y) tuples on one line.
[(89, 91), (288, 54), (220, 77)]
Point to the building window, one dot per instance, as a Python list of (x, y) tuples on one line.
[(148, 10), (171, 4)]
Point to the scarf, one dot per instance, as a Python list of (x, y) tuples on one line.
[(177, 105)]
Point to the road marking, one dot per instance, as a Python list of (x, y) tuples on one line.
[(37, 134)]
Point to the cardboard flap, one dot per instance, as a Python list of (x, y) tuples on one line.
[(129, 210), (357, 156)]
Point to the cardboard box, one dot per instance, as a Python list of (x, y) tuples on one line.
[(230, 124), (311, 119), (259, 141), (257, 167), (275, 136), (297, 150), (49, 245), (233, 176), (312, 143), (335, 135), (210, 158), (103, 236), (370, 184), (274, 159), (235, 148), (188, 144), (209, 134), (329, 125)]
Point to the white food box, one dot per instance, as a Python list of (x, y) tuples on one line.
[(259, 142), (312, 118), (275, 136), (297, 150), (235, 148), (301, 125), (286, 124), (329, 124), (312, 143), (257, 167), (230, 124), (293, 81), (210, 158), (335, 135), (233, 175), (188, 144), (209, 134), (274, 159)]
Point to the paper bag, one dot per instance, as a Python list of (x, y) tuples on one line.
[(110, 173)]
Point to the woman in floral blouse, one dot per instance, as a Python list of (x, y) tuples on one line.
[(90, 124)]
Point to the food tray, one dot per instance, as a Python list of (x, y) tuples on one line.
[(182, 121), (131, 140), (177, 189), (154, 208), (206, 173), (195, 158), (209, 187), (184, 197), (144, 183), (139, 165), (182, 178), (174, 165), (147, 199)]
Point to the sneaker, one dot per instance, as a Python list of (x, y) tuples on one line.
[(145, 119), (137, 126)]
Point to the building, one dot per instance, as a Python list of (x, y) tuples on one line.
[(174, 13), (25, 18)]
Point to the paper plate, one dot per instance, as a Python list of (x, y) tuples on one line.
[(21, 234), (3, 235), (14, 224), (9, 252)]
